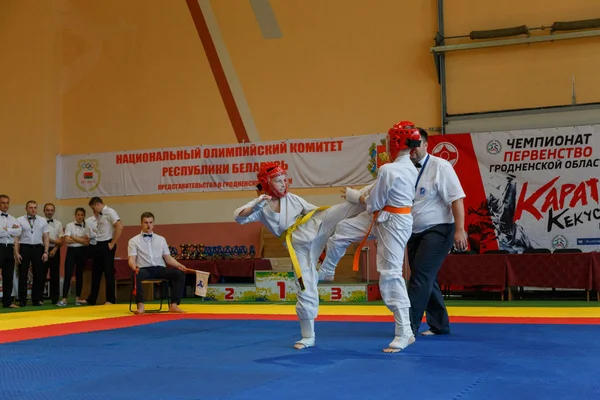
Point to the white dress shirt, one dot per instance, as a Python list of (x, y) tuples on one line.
[(7, 232), (437, 187), (78, 230), (92, 225), (148, 250), (56, 229), (106, 224), (32, 230)]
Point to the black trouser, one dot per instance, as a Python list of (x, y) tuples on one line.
[(31, 254), (175, 277), (7, 265), (53, 264), (90, 252), (76, 259), (90, 255), (104, 263), (426, 253)]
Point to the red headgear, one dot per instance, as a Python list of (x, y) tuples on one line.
[(403, 135), (267, 173)]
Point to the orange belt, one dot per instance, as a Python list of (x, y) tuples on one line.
[(390, 209)]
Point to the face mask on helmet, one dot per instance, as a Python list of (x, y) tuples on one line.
[(273, 179), (403, 135)]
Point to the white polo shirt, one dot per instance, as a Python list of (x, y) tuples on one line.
[(437, 187), (106, 224), (7, 232), (56, 229), (78, 230), (32, 229), (148, 249)]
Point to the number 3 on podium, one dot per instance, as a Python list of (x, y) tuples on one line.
[(336, 293)]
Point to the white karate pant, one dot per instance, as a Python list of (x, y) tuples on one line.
[(348, 231), (309, 241), (392, 232)]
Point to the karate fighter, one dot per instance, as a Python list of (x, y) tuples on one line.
[(305, 228), (390, 200)]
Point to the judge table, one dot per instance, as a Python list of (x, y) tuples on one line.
[(503, 271)]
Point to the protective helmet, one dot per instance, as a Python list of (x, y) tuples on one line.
[(267, 174), (403, 135)]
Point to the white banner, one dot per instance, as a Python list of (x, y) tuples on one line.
[(310, 163)]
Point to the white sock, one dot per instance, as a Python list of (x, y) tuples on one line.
[(307, 327), (402, 322)]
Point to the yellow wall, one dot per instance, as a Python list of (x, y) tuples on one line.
[(342, 67), (29, 100), (80, 76), (524, 76), (140, 79)]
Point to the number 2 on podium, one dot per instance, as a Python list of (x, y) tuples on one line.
[(229, 292)]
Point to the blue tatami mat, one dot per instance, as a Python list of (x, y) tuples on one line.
[(253, 360)]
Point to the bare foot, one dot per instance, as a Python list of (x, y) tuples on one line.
[(427, 333), (108, 303), (13, 306), (175, 309), (140, 309), (391, 350), (399, 343)]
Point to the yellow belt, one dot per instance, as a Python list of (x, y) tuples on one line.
[(287, 236)]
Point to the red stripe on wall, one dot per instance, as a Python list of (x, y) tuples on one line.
[(217, 69)]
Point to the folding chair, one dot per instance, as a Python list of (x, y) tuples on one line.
[(496, 252), (567, 250), (536, 251), (163, 291)]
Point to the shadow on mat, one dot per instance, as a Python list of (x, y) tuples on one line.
[(315, 356)]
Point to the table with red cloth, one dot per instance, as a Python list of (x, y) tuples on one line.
[(563, 270), (216, 268), (473, 270), (596, 273)]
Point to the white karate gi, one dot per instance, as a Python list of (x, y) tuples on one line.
[(350, 230), (308, 241), (395, 186)]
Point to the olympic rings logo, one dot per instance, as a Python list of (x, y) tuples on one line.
[(88, 175)]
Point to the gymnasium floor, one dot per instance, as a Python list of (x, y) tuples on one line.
[(243, 351)]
